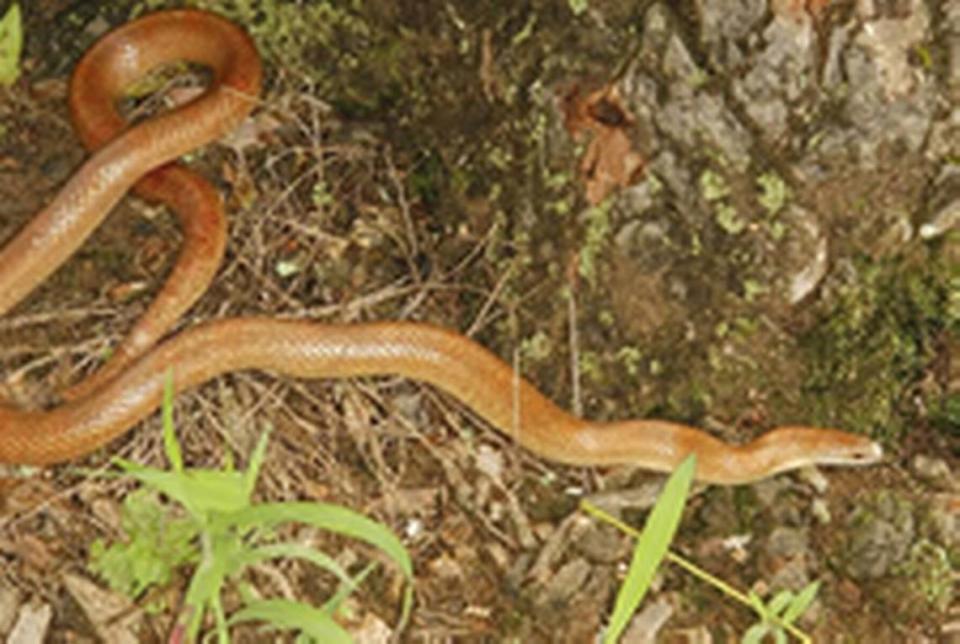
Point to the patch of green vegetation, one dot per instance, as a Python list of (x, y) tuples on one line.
[(219, 528), (286, 32), (630, 357), (945, 414), (595, 239), (428, 178), (931, 576), (592, 367), (926, 58), (752, 289), (11, 44), (775, 617), (158, 542), (537, 347), (875, 344), (728, 219), (578, 7), (773, 192), (713, 186)]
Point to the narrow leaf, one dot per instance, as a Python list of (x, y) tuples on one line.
[(11, 44), (755, 634), (779, 602), (282, 613), (328, 517), (801, 602), (170, 444), (298, 551), (652, 546)]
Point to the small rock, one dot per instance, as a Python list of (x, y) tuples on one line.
[(645, 627), (10, 599), (696, 635), (102, 608), (788, 543), (814, 478), (640, 497), (945, 519), (490, 462), (780, 76), (32, 625), (568, 581), (882, 533), (372, 631), (934, 471), (603, 544), (821, 511), (769, 490), (944, 204), (793, 575)]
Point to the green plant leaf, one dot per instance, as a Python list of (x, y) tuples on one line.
[(332, 604), (328, 517), (200, 491), (757, 602), (256, 462), (294, 615), (755, 634), (170, 443), (652, 546), (157, 543), (11, 44), (298, 551), (801, 602), (779, 602)]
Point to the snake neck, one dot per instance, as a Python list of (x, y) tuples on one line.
[(662, 446)]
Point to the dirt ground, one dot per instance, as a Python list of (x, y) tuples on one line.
[(733, 215)]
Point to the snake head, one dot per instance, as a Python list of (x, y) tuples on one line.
[(802, 446)]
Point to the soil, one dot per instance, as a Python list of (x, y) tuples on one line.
[(417, 161)]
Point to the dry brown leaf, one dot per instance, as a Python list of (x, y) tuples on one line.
[(610, 161)]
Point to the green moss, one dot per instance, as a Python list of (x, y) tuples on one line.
[(945, 414), (874, 345), (728, 219), (930, 576), (773, 192), (630, 357), (713, 186), (597, 233), (537, 347)]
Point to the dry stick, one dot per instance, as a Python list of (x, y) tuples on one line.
[(481, 318), (59, 316), (413, 247), (575, 394)]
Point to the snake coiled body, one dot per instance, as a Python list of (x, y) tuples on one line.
[(130, 386)]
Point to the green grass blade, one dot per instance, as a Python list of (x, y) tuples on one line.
[(256, 462), (170, 444), (200, 491), (333, 604), (329, 517), (298, 551), (282, 613), (651, 547), (11, 44), (756, 601)]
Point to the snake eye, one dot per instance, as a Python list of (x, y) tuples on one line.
[(869, 454)]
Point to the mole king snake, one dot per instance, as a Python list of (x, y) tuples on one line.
[(130, 386)]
